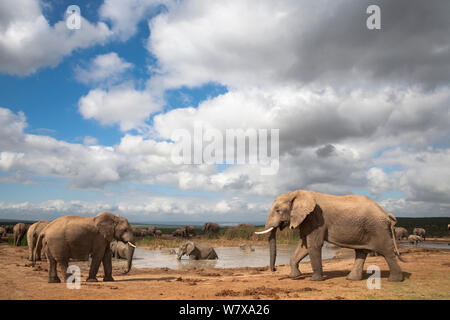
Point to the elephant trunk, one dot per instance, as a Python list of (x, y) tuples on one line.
[(130, 253), (273, 248)]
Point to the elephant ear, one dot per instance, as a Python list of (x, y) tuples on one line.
[(106, 223), (302, 205), (189, 248)]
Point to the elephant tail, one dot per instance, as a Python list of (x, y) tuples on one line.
[(37, 249), (393, 221)]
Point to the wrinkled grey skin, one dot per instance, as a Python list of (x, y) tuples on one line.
[(352, 221), (76, 237), (419, 232), (197, 251), (121, 250), (400, 233), (19, 231), (210, 227), (32, 236)]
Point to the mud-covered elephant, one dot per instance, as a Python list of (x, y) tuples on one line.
[(2, 232), (400, 233), (351, 221), (32, 236), (19, 231), (210, 227), (120, 250), (419, 232), (197, 251), (414, 239), (76, 237)]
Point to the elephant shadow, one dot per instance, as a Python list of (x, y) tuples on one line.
[(147, 279), (343, 274)]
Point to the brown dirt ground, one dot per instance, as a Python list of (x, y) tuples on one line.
[(426, 273)]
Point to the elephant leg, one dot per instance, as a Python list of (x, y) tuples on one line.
[(357, 271), (315, 254), (95, 264), (63, 266), (107, 265), (52, 274), (300, 252), (395, 272)]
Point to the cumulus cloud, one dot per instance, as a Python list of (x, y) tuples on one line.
[(240, 43), (28, 42), (122, 105), (104, 68)]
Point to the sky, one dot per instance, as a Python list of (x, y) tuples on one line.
[(87, 115)]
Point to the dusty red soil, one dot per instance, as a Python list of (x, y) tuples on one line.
[(426, 273)]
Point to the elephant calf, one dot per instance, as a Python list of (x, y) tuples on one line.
[(197, 251), (414, 239)]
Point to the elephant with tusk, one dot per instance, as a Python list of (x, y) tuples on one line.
[(351, 221), (77, 237)]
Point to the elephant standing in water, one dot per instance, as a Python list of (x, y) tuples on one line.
[(420, 232), (77, 237), (197, 251), (351, 221), (414, 239), (32, 236), (19, 231)]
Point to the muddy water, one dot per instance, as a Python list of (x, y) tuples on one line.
[(229, 257), (235, 257)]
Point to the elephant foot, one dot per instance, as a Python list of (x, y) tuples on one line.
[(108, 279), (91, 280), (54, 280), (397, 277), (354, 276), (317, 277), (295, 273)]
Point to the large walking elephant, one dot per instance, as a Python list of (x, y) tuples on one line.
[(210, 227), (197, 251), (419, 232), (350, 221), (400, 233), (19, 231), (32, 236), (77, 237)]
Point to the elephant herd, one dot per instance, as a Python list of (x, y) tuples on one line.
[(350, 221), (417, 236)]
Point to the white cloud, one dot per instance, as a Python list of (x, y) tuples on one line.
[(28, 42), (104, 68), (121, 105)]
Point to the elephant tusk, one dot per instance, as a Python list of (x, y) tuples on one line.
[(265, 231), (130, 244)]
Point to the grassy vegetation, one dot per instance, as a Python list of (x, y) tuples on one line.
[(23, 243)]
